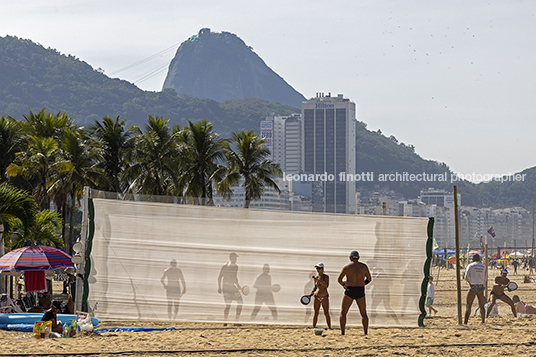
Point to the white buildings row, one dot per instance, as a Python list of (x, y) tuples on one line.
[(512, 226)]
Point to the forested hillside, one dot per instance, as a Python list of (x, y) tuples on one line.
[(33, 78)]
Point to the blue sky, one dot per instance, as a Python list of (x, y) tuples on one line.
[(453, 78)]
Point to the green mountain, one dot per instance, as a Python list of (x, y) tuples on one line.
[(32, 77), (221, 66)]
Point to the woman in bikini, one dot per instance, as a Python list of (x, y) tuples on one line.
[(521, 308), (321, 295)]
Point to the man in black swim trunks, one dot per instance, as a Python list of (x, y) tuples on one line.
[(497, 292), (357, 276)]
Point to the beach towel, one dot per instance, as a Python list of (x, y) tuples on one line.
[(35, 280)]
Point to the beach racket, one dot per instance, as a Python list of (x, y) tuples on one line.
[(511, 286), (276, 288), (245, 290), (306, 299)]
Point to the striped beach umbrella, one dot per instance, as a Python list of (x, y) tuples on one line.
[(35, 257)]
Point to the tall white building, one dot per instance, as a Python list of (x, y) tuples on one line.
[(329, 139), (293, 144), (283, 137)]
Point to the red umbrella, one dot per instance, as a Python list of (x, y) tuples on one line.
[(35, 257)]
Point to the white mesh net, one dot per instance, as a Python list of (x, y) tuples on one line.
[(144, 254)]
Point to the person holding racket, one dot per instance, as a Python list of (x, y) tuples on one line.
[(357, 276), (229, 286), (497, 292), (265, 293), (475, 274), (321, 295)]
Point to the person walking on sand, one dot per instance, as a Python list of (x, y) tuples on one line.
[(475, 274), (321, 295), (357, 276), (229, 286), (515, 264), (430, 296), (497, 292)]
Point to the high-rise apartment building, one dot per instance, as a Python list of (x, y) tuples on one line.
[(283, 137), (329, 139)]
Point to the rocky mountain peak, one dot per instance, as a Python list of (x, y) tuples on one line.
[(221, 66)]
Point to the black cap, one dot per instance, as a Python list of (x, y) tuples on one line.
[(354, 254)]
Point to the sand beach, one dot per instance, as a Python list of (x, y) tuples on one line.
[(503, 335)]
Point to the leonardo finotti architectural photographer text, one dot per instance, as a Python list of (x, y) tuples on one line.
[(403, 177)]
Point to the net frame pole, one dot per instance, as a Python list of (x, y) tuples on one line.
[(81, 266), (531, 265), (426, 269), (486, 260), (457, 239)]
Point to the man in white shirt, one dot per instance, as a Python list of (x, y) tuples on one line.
[(475, 274)]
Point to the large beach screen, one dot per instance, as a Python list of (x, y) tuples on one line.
[(159, 261)]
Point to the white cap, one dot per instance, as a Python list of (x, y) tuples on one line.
[(319, 265)]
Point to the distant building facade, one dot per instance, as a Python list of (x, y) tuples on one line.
[(270, 199), (328, 147), (282, 135), (440, 198)]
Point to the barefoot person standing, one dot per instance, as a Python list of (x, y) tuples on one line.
[(357, 276), (475, 274), (430, 293), (497, 292), (321, 295)]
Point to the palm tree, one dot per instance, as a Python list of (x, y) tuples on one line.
[(112, 137), (248, 161), (40, 165), (45, 231), (153, 159), (40, 126), (46, 125), (16, 205), (84, 160), (203, 151), (10, 142)]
